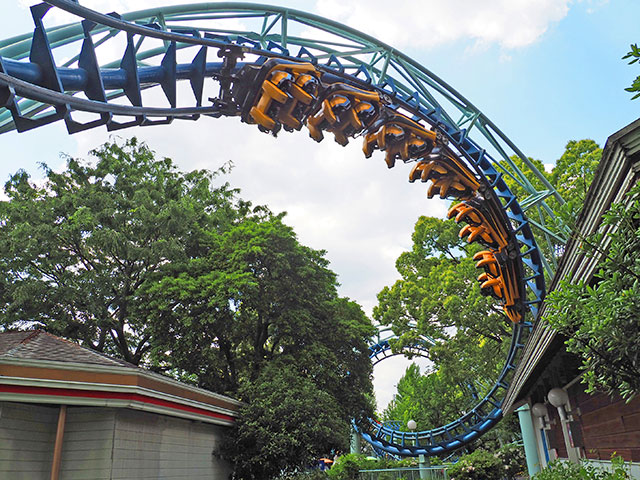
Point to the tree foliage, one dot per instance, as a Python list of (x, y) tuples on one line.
[(76, 251), (600, 319), (439, 295), (633, 55), (164, 269), (572, 175)]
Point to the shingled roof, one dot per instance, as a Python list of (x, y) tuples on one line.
[(38, 367), (40, 345)]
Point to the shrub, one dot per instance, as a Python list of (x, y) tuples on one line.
[(347, 467), (583, 471), (479, 465), (309, 475), (513, 460)]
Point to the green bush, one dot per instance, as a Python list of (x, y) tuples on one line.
[(479, 465), (348, 466), (513, 460), (309, 475), (385, 476), (583, 471)]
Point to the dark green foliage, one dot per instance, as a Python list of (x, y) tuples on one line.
[(161, 268), (76, 252), (479, 465), (601, 320), (513, 460), (634, 55), (257, 314), (287, 415)]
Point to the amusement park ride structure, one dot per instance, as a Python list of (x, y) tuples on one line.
[(282, 69)]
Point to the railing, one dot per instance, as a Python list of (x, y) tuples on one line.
[(405, 473)]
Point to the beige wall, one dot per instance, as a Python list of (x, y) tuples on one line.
[(147, 445), (27, 433), (107, 443)]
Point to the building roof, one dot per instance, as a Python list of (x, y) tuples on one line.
[(40, 345), (618, 171), (38, 367)]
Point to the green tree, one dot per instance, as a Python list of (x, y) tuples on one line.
[(76, 251), (572, 176), (600, 319), (256, 313), (438, 296), (287, 424), (159, 267), (430, 400)]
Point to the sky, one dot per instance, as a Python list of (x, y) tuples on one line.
[(544, 71)]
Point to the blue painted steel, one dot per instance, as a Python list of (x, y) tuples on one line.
[(49, 92)]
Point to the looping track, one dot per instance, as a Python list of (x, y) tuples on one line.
[(348, 86)]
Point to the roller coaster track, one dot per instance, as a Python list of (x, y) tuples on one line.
[(282, 69)]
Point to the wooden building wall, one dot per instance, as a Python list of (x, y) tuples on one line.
[(88, 444), (107, 444), (27, 433), (608, 424), (159, 447)]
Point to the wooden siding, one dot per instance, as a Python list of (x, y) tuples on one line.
[(148, 446), (27, 434), (88, 444), (107, 444), (609, 424)]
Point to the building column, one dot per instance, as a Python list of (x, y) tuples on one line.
[(57, 447), (424, 464), (529, 439), (355, 441)]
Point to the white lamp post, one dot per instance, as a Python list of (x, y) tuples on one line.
[(558, 397)]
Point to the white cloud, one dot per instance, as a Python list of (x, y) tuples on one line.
[(402, 23)]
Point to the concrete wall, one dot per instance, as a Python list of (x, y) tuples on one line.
[(107, 444)]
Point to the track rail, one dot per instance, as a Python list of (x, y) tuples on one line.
[(349, 86)]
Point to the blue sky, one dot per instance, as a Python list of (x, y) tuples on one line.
[(544, 71)]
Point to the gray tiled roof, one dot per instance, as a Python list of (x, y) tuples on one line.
[(40, 345)]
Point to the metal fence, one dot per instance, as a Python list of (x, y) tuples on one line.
[(406, 473)]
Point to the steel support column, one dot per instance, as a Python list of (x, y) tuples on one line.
[(529, 439)]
